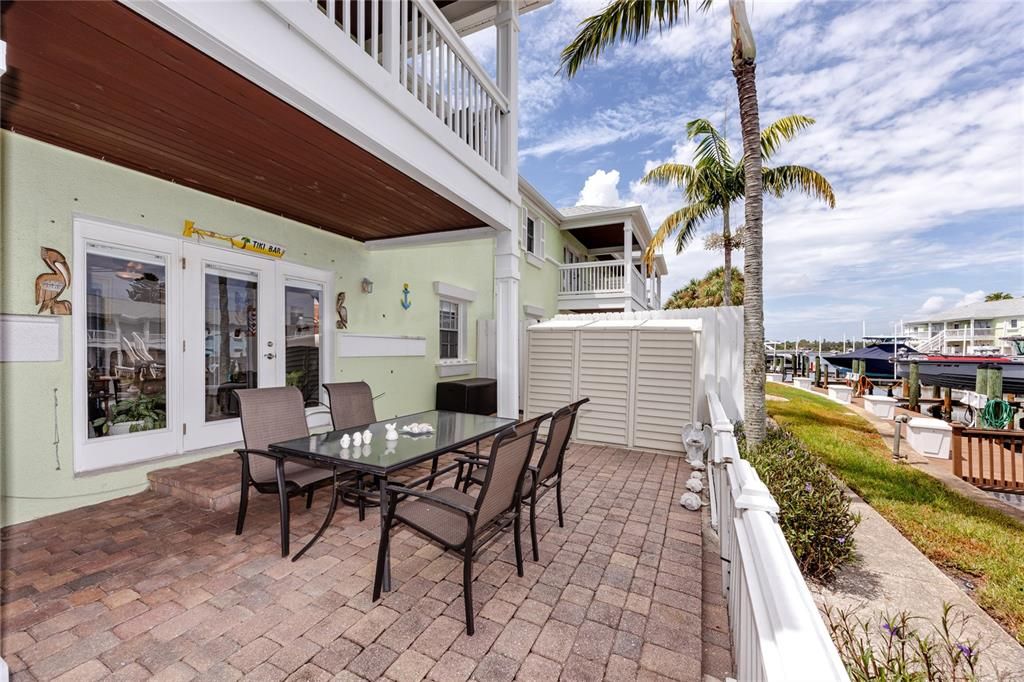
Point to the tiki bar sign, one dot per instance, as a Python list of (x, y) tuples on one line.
[(237, 241)]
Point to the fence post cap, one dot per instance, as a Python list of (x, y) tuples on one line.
[(749, 492)]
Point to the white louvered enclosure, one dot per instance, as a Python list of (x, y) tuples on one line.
[(640, 376)]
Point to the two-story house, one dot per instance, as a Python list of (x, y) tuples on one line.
[(205, 196), (977, 327)]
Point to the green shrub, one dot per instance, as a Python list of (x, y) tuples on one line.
[(891, 647), (814, 512)]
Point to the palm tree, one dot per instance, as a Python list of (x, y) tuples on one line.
[(631, 20), (715, 181), (708, 292), (999, 296)]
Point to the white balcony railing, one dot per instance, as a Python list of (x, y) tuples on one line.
[(414, 42), (591, 278), (777, 632), (639, 288)]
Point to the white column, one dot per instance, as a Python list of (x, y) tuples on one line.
[(643, 276), (506, 315), (627, 266), (507, 25), (657, 298), (972, 337)]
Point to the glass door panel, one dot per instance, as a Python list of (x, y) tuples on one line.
[(302, 348), (229, 339), (231, 348)]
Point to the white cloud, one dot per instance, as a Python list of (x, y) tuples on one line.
[(973, 297), (600, 189), (932, 304)]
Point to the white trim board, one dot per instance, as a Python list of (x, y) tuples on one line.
[(30, 338), (454, 293), (380, 346)]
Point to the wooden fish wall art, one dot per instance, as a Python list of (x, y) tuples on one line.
[(51, 285)]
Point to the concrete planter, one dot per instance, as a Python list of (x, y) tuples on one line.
[(840, 394), (774, 376), (930, 437), (880, 406), (805, 383)]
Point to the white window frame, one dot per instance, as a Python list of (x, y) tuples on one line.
[(92, 454), (534, 256), (108, 452), (462, 298)]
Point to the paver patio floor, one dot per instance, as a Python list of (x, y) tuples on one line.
[(148, 587)]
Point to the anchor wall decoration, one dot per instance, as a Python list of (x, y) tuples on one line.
[(406, 303), (50, 285)]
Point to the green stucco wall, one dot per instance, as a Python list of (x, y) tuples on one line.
[(538, 284), (43, 186)]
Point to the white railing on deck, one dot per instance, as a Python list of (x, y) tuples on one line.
[(777, 632), (638, 286), (591, 278), (413, 41)]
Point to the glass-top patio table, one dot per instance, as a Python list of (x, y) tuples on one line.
[(382, 457)]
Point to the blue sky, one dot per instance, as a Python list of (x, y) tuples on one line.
[(920, 128)]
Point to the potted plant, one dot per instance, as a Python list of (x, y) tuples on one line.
[(143, 413)]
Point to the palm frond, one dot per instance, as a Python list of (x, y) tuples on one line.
[(782, 179), (680, 174), (621, 21), (684, 223), (780, 131), (712, 147)]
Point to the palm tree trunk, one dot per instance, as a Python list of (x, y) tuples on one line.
[(753, 299), (727, 245)]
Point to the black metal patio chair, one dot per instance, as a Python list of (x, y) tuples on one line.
[(271, 415), (351, 405), (543, 476), (461, 522)]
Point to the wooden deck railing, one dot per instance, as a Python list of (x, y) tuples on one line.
[(990, 459)]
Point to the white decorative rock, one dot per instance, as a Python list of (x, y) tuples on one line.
[(690, 501), (390, 432), (806, 383), (357, 439), (345, 441), (840, 394), (880, 406), (696, 475), (774, 376), (930, 437), (367, 436), (694, 486)]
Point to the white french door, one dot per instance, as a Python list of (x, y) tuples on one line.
[(249, 323), (230, 340)]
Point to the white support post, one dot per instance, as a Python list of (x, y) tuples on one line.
[(643, 275), (506, 315), (627, 266), (507, 25), (391, 47)]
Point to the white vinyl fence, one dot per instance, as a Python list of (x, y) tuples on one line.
[(777, 633)]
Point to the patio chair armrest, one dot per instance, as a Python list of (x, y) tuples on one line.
[(429, 477), (395, 490), (254, 451), (474, 461)]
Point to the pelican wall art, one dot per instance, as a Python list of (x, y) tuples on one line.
[(50, 285)]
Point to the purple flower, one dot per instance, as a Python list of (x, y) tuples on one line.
[(808, 487), (893, 630), (965, 650), (842, 539)]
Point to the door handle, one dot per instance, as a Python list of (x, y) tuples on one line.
[(270, 356)]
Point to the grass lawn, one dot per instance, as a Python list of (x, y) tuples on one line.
[(953, 531)]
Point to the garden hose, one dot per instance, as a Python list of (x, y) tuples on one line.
[(997, 413)]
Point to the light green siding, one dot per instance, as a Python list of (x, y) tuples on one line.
[(538, 285), (44, 186)]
